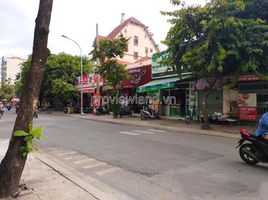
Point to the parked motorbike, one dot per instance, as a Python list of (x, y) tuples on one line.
[(125, 111), (149, 114), (255, 149), (9, 108), (102, 111), (76, 110)]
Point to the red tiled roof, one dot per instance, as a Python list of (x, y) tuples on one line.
[(118, 29), (122, 62), (143, 59)]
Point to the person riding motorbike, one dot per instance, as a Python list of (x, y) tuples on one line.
[(262, 129)]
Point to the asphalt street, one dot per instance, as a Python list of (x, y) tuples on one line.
[(149, 163)]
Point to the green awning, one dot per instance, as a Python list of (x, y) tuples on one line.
[(161, 84)]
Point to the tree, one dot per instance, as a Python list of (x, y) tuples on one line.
[(60, 75), (6, 91), (214, 40), (107, 52), (13, 163)]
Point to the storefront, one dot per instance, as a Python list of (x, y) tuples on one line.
[(255, 97), (88, 85), (173, 93), (248, 101), (139, 74)]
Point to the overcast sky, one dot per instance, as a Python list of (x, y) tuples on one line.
[(76, 19)]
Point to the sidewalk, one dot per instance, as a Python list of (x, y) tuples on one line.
[(40, 181), (175, 125)]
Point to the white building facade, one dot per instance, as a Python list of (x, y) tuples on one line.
[(11, 66), (141, 43)]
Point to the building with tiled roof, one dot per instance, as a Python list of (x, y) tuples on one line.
[(141, 43)]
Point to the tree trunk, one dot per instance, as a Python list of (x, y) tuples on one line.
[(13, 163), (205, 124)]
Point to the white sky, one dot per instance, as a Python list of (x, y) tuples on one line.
[(77, 19)]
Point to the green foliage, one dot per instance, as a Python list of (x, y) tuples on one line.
[(115, 105), (61, 70), (213, 41), (113, 72), (6, 91), (63, 90), (30, 139), (108, 51)]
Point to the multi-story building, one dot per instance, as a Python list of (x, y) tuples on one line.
[(10, 67), (141, 43)]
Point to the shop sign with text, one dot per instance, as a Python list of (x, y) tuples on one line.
[(247, 107), (160, 66), (138, 76)]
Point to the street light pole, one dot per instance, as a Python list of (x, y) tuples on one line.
[(81, 70)]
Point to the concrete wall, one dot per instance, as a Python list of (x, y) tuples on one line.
[(229, 97)]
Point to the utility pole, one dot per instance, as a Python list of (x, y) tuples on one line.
[(98, 60), (97, 94)]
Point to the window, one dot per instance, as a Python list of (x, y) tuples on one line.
[(136, 41), (136, 55), (146, 50), (151, 50), (145, 36), (125, 30)]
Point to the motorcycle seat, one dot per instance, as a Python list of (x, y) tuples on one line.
[(260, 138)]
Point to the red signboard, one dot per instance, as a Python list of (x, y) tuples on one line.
[(138, 76), (246, 78), (88, 90), (248, 113)]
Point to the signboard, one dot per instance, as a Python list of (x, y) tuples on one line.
[(247, 107), (160, 67), (246, 78), (89, 82), (138, 76)]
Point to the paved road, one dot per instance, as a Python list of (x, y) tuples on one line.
[(148, 163)]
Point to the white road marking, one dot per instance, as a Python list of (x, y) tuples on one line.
[(74, 157), (94, 165), (147, 132), (66, 153), (107, 171), (82, 161), (156, 130), (129, 133)]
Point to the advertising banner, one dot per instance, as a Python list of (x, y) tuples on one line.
[(160, 66), (247, 107), (137, 77), (89, 82)]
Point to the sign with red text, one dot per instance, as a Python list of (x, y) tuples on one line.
[(247, 107), (247, 78), (89, 82)]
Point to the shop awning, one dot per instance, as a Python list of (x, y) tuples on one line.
[(160, 84)]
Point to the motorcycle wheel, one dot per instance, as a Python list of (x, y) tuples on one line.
[(245, 157), (157, 116), (143, 116)]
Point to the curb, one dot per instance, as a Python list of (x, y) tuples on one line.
[(160, 127), (90, 185)]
